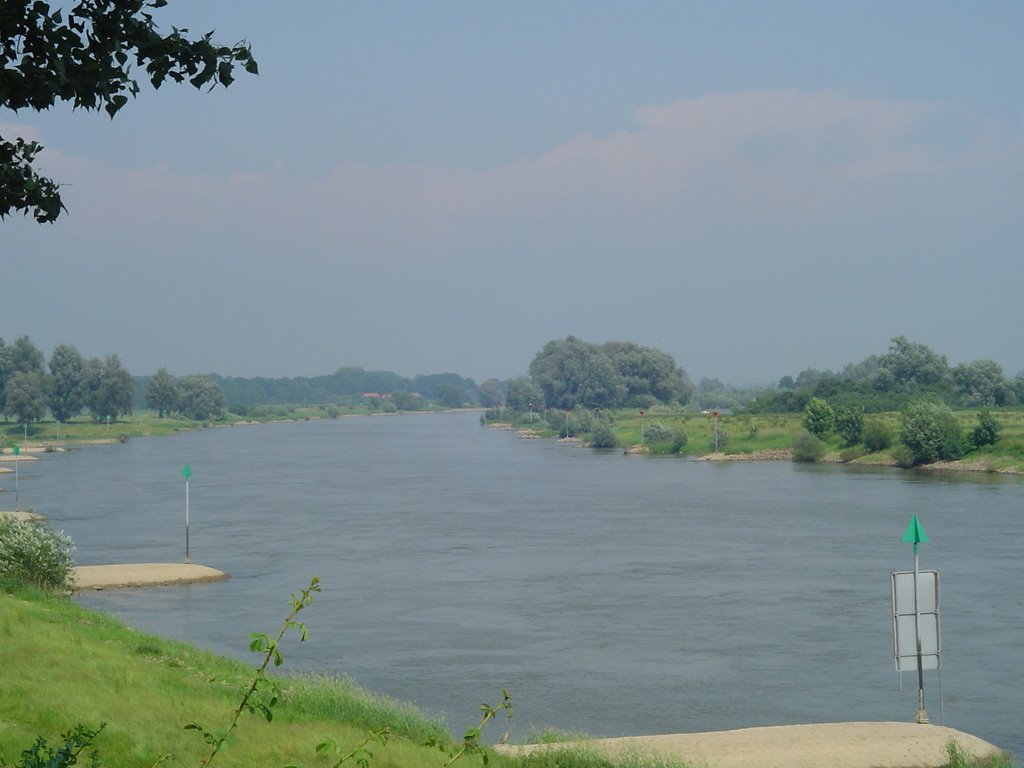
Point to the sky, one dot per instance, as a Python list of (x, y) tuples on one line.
[(425, 187)]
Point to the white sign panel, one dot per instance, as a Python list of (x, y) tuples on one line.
[(913, 622)]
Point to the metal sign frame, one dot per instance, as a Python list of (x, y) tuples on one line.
[(915, 613)]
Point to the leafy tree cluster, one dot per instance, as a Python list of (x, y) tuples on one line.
[(72, 383), (193, 396), (86, 54), (570, 372), (909, 371)]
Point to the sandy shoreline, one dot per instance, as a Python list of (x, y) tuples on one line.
[(835, 745), (143, 575), (25, 517)]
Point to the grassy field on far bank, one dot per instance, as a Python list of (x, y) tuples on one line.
[(147, 423), (742, 434)]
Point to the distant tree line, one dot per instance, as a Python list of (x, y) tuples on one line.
[(908, 372), (346, 386), (68, 384)]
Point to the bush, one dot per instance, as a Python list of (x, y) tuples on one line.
[(903, 456), (851, 453), (849, 424), (931, 432), (819, 417), (807, 448), (679, 438), (602, 435), (34, 554), (987, 430), (719, 443), (877, 436), (656, 432)]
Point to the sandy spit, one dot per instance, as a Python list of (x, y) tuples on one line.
[(836, 745), (143, 575), (25, 517)]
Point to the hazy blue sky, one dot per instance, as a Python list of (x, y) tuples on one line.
[(754, 187)]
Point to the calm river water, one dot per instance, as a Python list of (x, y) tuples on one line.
[(610, 594)]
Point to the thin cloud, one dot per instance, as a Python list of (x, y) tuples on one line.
[(760, 154)]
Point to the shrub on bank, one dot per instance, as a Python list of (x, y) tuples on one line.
[(807, 448), (34, 554), (877, 436)]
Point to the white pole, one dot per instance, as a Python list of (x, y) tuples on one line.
[(187, 558)]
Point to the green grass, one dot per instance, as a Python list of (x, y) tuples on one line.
[(65, 665), (765, 432), (959, 757)]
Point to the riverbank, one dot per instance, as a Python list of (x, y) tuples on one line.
[(767, 438), (836, 745)]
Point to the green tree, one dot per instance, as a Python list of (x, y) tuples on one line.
[(491, 393), (162, 393), (406, 401), (108, 388), (87, 55), (25, 356), (981, 383), (524, 395), (849, 424), (1017, 385), (451, 395), (909, 366), (21, 356), (986, 431), (200, 398), (25, 396), (819, 418), (67, 378), (648, 372), (572, 372), (877, 435), (931, 432), (602, 434)]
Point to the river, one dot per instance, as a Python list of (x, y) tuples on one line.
[(610, 594)]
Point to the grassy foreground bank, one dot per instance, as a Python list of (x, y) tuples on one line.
[(64, 665)]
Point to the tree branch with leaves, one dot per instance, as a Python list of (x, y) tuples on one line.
[(88, 56)]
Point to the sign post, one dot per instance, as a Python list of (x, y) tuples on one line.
[(16, 450), (186, 473), (917, 643), (641, 427)]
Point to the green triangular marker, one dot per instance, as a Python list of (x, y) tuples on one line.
[(187, 473), (915, 533), (16, 449)]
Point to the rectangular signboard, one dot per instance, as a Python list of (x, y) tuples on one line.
[(912, 622)]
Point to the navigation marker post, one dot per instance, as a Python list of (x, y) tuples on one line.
[(186, 473), (16, 450), (916, 630)]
